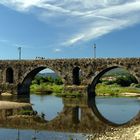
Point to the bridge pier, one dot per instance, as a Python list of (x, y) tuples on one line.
[(23, 89), (73, 88), (8, 88)]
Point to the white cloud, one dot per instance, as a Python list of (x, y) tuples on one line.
[(73, 40), (20, 5), (86, 19)]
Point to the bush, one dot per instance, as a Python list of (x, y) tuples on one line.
[(126, 80), (114, 89), (121, 77), (58, 81), (39, 80)]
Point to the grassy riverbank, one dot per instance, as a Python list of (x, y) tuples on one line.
[(101, 90), (114, 83), (115, 90), (45, 88), (56, 90)]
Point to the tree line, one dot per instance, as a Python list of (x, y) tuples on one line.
[(50, 80)]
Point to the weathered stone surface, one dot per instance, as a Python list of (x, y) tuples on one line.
[(25, 70)]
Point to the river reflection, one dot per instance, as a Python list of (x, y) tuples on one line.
[(50, 106), (118, 109), (69, 115), (112, 108)]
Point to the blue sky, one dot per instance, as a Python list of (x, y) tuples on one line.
[(69, 28)]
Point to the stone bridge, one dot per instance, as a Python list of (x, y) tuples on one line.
[(16, 75)]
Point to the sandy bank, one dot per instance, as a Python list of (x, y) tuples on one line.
[(13, 105), (128, 94)]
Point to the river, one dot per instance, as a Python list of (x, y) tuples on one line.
[(71, 118)]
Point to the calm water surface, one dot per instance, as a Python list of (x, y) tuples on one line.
[(14, 134), (115, 109), (48, 105), (118, 110)]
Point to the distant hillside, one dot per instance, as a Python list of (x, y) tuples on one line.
[(117, 72), (53, 75)]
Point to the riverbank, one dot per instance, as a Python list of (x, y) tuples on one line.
[(8, 108), (78, 91), (129, 131), (63, 123), (58, 90), (116, 90), (46, 88), (13, 105)]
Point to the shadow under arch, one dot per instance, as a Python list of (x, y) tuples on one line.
[(91, 99), (9, 75), (24, 87), (76, 75)]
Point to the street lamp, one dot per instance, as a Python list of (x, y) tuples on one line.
[(19, 49), (94, 51)]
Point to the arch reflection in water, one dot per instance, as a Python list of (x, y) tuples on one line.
[(118, 109), (113, 109), (49, 105), (74, 116)]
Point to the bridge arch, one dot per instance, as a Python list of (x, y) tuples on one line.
[(99, 74), (9, 75), (91, 95), (96, 79), (24, 86)]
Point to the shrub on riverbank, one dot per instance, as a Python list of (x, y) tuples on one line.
[(45, 88), (46, 85), (114, 89), (118, 76), (49, 80)]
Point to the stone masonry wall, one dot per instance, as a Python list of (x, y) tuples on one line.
[(89, 68)]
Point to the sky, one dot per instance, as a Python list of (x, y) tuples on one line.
[(69, 28)]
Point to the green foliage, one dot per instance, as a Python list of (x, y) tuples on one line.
[(116, 82), (46, 85), (125, 80), (46, 89), (103, 89), (114, 89), (58, 81), (117, 72), (40, 79), (119, 76)]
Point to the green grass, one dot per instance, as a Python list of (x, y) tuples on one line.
[(46, 88), (56, 90), (114, 89)]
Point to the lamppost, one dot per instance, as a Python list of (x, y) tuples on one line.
[(94, 51), (19, 49)]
